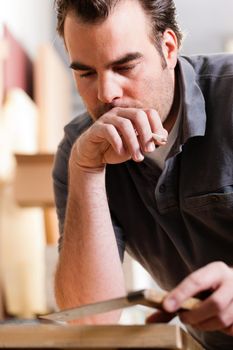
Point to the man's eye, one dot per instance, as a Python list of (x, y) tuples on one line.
[(125, 68), (87, 74)]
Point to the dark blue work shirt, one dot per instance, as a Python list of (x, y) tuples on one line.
[(175, 220)]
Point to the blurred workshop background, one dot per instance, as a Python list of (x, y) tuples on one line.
[(37, 98)]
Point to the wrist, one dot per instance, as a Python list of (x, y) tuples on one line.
[(86, 178), (88, 162), (77, 167)]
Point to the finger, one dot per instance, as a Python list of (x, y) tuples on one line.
[(210, 276), (157, 126), (218, 323), (217, 303), (109, 133), (160, 317), (141, 124), (127, 133)]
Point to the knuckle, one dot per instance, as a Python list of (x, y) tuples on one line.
[(123, 123), (140, 114), (115, 110), (96, 125), (218, 304), (152, 112), (224, 321), (220, 265), (196, 281), (223, 269), (128, 140), (109, 128), (136, 120)]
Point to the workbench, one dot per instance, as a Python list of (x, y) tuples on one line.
[(61, 336)]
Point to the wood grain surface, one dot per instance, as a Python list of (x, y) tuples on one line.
[(57, 336)]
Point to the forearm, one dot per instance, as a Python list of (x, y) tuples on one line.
[(89, 267)]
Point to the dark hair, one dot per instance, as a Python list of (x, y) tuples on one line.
[(161, 12)]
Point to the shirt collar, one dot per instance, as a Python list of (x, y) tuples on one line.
[(193, 109)]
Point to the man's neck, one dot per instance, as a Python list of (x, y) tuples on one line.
[(173, 114)]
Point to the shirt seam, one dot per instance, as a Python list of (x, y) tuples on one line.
[(207, 76)]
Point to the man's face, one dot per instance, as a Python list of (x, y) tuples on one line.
[(116, 64)]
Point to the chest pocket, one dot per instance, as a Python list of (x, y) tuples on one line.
[(221, 198), (212, 216)]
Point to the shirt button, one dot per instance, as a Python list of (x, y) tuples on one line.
[(162, 188), (215, 198)]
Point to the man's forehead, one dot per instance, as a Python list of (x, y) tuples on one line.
[(109, 41)]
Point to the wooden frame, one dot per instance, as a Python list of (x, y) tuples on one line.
[(57, 336)]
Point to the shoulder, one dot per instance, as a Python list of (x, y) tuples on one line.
[(76, 127), (207, 82), (71, 132), (211, 66), (213, 74)]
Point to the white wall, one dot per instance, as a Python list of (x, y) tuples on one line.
[(29, 20), (208, 24)]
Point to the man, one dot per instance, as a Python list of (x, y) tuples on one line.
[(167, 198)]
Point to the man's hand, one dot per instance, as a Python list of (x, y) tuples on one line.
[(118, 135), (215, 313)]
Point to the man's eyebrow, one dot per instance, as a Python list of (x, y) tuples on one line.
[(126, 58), (76, 65), (79, 66)]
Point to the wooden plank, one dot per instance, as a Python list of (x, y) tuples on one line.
[(1, 302), (51, 225), (38, 158), (53, 97), (58, 336), (189, 343), (33, 180)]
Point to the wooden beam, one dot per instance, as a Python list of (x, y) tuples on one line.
[(33, 180)]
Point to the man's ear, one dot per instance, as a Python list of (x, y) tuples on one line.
[(170, 48)]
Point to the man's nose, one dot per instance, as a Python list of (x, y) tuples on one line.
[(109, 89)]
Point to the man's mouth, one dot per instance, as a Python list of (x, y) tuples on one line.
[(126, 103)]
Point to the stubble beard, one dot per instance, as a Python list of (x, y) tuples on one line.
[(166, 102), (161, 102)]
